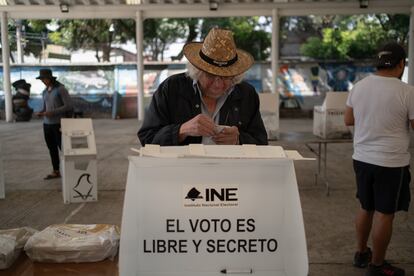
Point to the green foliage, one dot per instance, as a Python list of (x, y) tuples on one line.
[(93, 34), (249, 34), (34, 35), (160, 33), (86, 34), (356, 37)]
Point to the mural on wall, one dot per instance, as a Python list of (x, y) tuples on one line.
[(92, 87)]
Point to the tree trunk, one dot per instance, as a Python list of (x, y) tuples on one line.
[(192, 34), (106, 52), (97, 55)]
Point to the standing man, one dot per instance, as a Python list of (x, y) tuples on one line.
[(210, 104), (56, 105), (381, 107)]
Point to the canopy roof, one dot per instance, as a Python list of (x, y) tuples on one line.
[(43, 9)]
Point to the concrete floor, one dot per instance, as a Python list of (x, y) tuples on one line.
[(31, 201)]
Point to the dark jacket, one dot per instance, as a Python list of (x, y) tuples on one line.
[(175, 102)]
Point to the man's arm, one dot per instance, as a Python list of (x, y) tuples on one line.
[(412, 124), (66, 101), (349, 116), (43, 110), (256, 131)]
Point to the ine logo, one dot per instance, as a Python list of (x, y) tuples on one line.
[(193, 194), (211, 196), (83, 188)]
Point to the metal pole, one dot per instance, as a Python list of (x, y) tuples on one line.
[(6, 67), (2, 192), (411, 49), (140, 64), (19, 41), (275, 58)]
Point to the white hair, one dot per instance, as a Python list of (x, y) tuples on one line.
[(195, 73)]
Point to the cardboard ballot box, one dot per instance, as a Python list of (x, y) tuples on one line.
[(2, 187), (212, 216), (79, 164), (270, 113), (328, 119)]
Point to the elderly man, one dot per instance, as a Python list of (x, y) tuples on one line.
[(209, 104)]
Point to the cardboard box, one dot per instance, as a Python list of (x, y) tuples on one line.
[(269, 110), (328, 119), (79, 164), (188, 215)]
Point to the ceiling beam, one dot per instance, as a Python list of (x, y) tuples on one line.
[(202, 10)]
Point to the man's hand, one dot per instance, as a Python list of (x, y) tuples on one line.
[(228, 136), (200, 125), (39, 114)]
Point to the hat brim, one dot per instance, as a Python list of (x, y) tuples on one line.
[(244, 61), (42, 77)]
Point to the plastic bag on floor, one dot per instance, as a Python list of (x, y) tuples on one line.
[(12, 242), (74, 243)]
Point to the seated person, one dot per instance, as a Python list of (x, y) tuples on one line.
[(209, 104), (20, 100)]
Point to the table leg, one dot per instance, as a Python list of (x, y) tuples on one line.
[(325, 170), (318, 156)]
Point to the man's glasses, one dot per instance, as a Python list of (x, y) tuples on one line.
[(213, 78)]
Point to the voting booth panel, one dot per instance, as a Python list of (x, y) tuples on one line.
[(79, 164), (191, 216), (328, 119), (2, 185)]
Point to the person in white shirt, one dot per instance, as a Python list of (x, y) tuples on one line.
[(381, 107)]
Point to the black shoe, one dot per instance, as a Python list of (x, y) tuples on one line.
[(362, 259), (384, 270)]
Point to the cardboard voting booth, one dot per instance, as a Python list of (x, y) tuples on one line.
[(79, 164), (2, 185), (328, 119), (270, 113), (185, 214)]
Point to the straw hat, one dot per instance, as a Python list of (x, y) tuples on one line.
[(218, 54)]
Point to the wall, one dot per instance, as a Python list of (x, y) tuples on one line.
[(301, 85)]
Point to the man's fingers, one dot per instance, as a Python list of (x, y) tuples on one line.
[(207, 122), (224, 141), (230, 130), (205, 130)]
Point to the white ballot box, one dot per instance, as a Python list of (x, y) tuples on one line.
[(2, 185), (79, 164), (212, 216), (328, 119), (269, 110)]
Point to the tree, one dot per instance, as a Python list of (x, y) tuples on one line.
[(192, 32), (356, 37), (248, 33), (396, 26), (95, 34), (34, 36), (160, 33)]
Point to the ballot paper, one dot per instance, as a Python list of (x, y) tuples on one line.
[(245, 151), (12, 242), (74, 243)]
